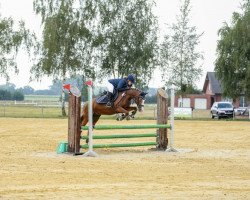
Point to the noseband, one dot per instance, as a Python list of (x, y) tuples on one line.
[(141, 105)]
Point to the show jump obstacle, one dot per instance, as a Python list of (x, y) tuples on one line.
[(74, 127)]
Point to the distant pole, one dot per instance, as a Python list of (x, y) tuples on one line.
[(171, 146), (90, 152), (154, 114), (4, 109), (42, 111)]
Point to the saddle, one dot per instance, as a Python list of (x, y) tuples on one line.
[(103, 98)]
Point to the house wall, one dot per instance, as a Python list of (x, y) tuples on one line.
[(217, 97), (208, 89), (211, 97), (192, 99)]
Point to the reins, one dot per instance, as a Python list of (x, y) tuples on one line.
[(124, 95)]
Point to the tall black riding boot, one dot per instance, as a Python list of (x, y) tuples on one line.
[(110, 100)]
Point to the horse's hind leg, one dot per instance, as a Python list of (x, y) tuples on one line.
[(84, 117), (95, 119), (84, 120)]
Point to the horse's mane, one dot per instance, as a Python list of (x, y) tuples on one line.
[(136, 89)]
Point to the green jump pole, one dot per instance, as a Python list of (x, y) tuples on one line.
[(121, 136), (106, 127), (85, 146)]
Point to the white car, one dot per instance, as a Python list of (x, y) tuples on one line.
[(242, 111), (222, 109)]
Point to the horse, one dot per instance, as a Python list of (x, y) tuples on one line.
[(121, 105)]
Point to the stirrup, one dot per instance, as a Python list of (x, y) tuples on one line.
[(109, 104)]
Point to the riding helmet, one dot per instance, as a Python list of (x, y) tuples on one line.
[(131, 77)]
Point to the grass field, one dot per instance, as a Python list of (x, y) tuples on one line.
[(55, 112), (45, 111), (213, 163), (30, 111), (41, 98)]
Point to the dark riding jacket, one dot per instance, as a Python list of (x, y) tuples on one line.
[(119, 84)]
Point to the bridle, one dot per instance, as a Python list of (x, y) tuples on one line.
[(139, 97)]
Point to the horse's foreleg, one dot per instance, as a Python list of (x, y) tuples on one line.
[(122, 110), (134, 110)]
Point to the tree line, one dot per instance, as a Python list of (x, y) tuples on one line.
[(110, 38), (16, 95)]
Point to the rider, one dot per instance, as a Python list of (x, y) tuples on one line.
[(119, 85)]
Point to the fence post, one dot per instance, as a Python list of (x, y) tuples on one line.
[(74, 127), (162, 115)]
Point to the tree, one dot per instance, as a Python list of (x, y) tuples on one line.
[(5, 95), (11, 87), (10, 42), (27, 90), (68, 40), (18, 95), (129, 30), (232, 65), (180, 61)]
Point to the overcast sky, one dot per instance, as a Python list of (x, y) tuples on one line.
[(207, 15)]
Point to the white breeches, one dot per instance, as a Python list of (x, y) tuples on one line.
[(109, 87)]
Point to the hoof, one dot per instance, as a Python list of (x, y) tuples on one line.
[(120, 118), (132, 116), (128, 118)]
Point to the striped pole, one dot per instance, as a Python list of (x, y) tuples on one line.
[(85, 146), (90, 152), (143, 126), (121, 136), (171, 146)]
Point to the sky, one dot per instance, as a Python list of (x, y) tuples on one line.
[(207, 15)]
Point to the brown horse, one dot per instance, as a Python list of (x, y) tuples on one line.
[(121, 105)]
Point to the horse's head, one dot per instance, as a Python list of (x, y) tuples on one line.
[(139, 97), (140, 101)]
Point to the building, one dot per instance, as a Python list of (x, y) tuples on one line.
[(212, 87), (212, 92)]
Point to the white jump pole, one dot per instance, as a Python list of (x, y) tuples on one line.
[(171, 145), (90, 151)]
